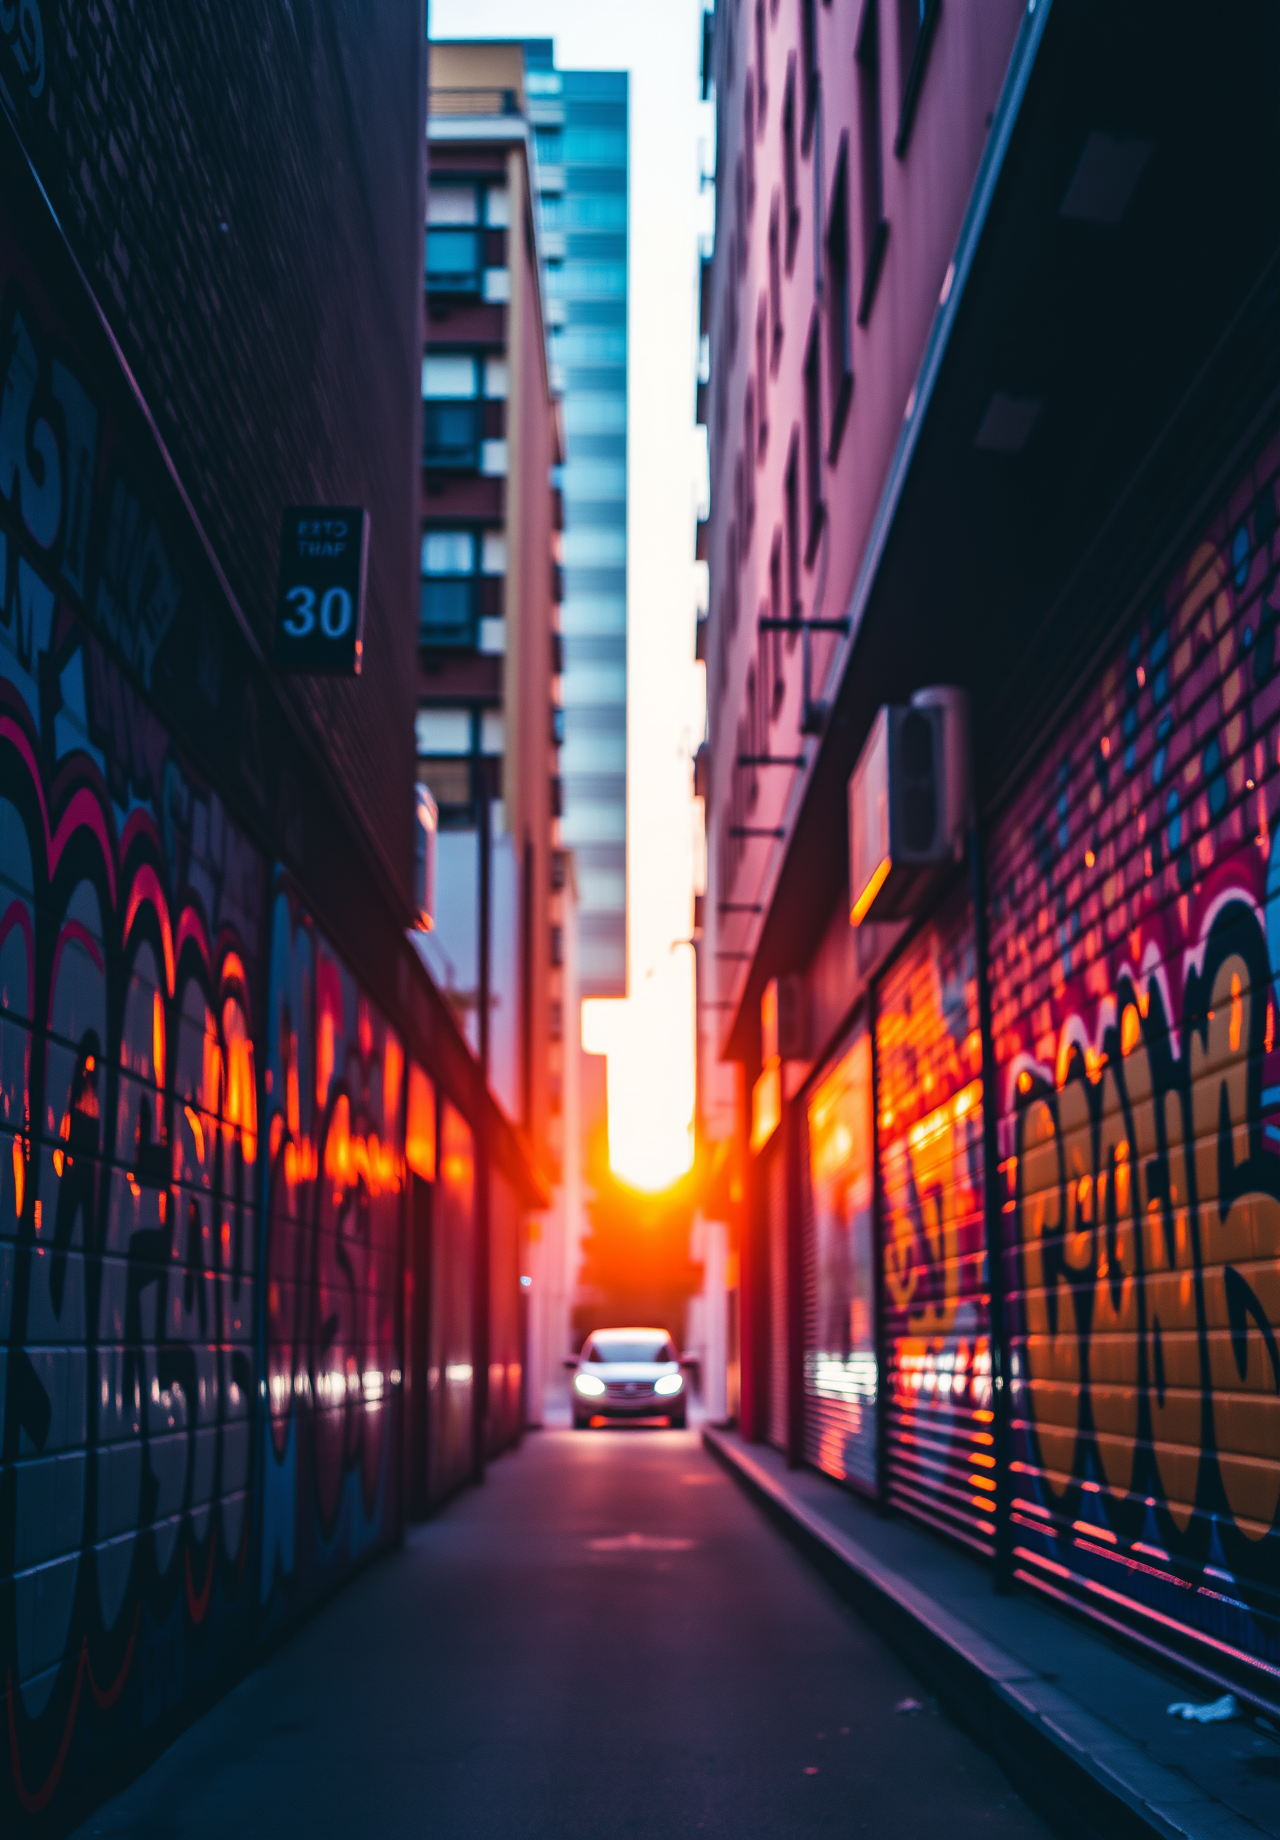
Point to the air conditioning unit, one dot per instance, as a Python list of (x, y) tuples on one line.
[(426, 825), (909, 803)]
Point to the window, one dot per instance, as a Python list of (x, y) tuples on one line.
[(839, 305), (762, 87), (916, 22), (453, 205), (749, 144), (809, 60), (814, 507), (776, 613), (767, 681), (549, 146), (457, 567), (739, 217), (731, 294), (455, 253), (791, 504), (453, 384), (875, 231), (775, 287), (595, 146), (749, 456), (731, 570), (762, 369), (789, 188)]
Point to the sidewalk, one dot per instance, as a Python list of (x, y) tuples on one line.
[(1079, 1723)]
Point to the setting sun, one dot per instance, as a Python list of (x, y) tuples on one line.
[(648, 1040)]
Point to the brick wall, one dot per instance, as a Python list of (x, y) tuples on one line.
[(242, 187)]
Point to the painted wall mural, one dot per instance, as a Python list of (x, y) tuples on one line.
[(939, 1424), (130, 921), (141, 1127), (334, 1082), (1135, 921)]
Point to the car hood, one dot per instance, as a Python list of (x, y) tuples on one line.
[(630, 1370)]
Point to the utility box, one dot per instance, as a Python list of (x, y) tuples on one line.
[(909, 803)]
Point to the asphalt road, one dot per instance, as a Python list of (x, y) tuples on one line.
[(606, 1641)]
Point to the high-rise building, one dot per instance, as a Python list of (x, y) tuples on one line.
[(580, 122), (489, 651)]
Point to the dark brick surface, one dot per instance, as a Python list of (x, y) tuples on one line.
[(242, 187)]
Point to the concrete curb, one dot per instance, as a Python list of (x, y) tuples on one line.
[(1086, 1777)]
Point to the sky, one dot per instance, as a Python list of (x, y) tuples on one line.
[(649, 1036)]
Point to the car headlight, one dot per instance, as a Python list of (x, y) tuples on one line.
[(668, 1384), (589, 1385)]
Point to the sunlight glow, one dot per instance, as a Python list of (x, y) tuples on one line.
[(648, 1040)]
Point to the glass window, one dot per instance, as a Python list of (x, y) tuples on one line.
[(596, 211), (553, 217), (595, 146), (492, 732), (590, 345), (453, 375), (448, 552), (549, 145), (443, 731), (453, 260), (495, 379), (497, 207), (453, 204), (493, 553)]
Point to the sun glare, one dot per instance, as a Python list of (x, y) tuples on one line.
[(648, 1041)]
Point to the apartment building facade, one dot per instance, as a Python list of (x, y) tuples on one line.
[(490, 723), (990, 468)]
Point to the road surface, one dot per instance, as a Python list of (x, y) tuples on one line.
[(605, 1642)]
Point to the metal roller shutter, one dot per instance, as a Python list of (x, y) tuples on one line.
[(776, 1191), (449, 1376), (1135, 940), (839, 1250), (939, 1427)]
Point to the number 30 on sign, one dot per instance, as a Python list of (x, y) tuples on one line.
[(324, 558)]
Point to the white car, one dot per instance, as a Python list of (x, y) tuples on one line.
[(628, 1373)]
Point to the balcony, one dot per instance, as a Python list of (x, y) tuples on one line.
[(452, 435), (455, 260)]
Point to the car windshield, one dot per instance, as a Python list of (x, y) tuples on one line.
[(650, 1348)]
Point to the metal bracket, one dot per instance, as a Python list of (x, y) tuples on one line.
[(769, 624)]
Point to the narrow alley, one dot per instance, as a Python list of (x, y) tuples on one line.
[(606, 1640)]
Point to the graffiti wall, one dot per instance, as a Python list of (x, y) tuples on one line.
[(938, 1419), (158, 1509), (1135, 916), (840, 1364), (131, 913), (334, 1083)]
